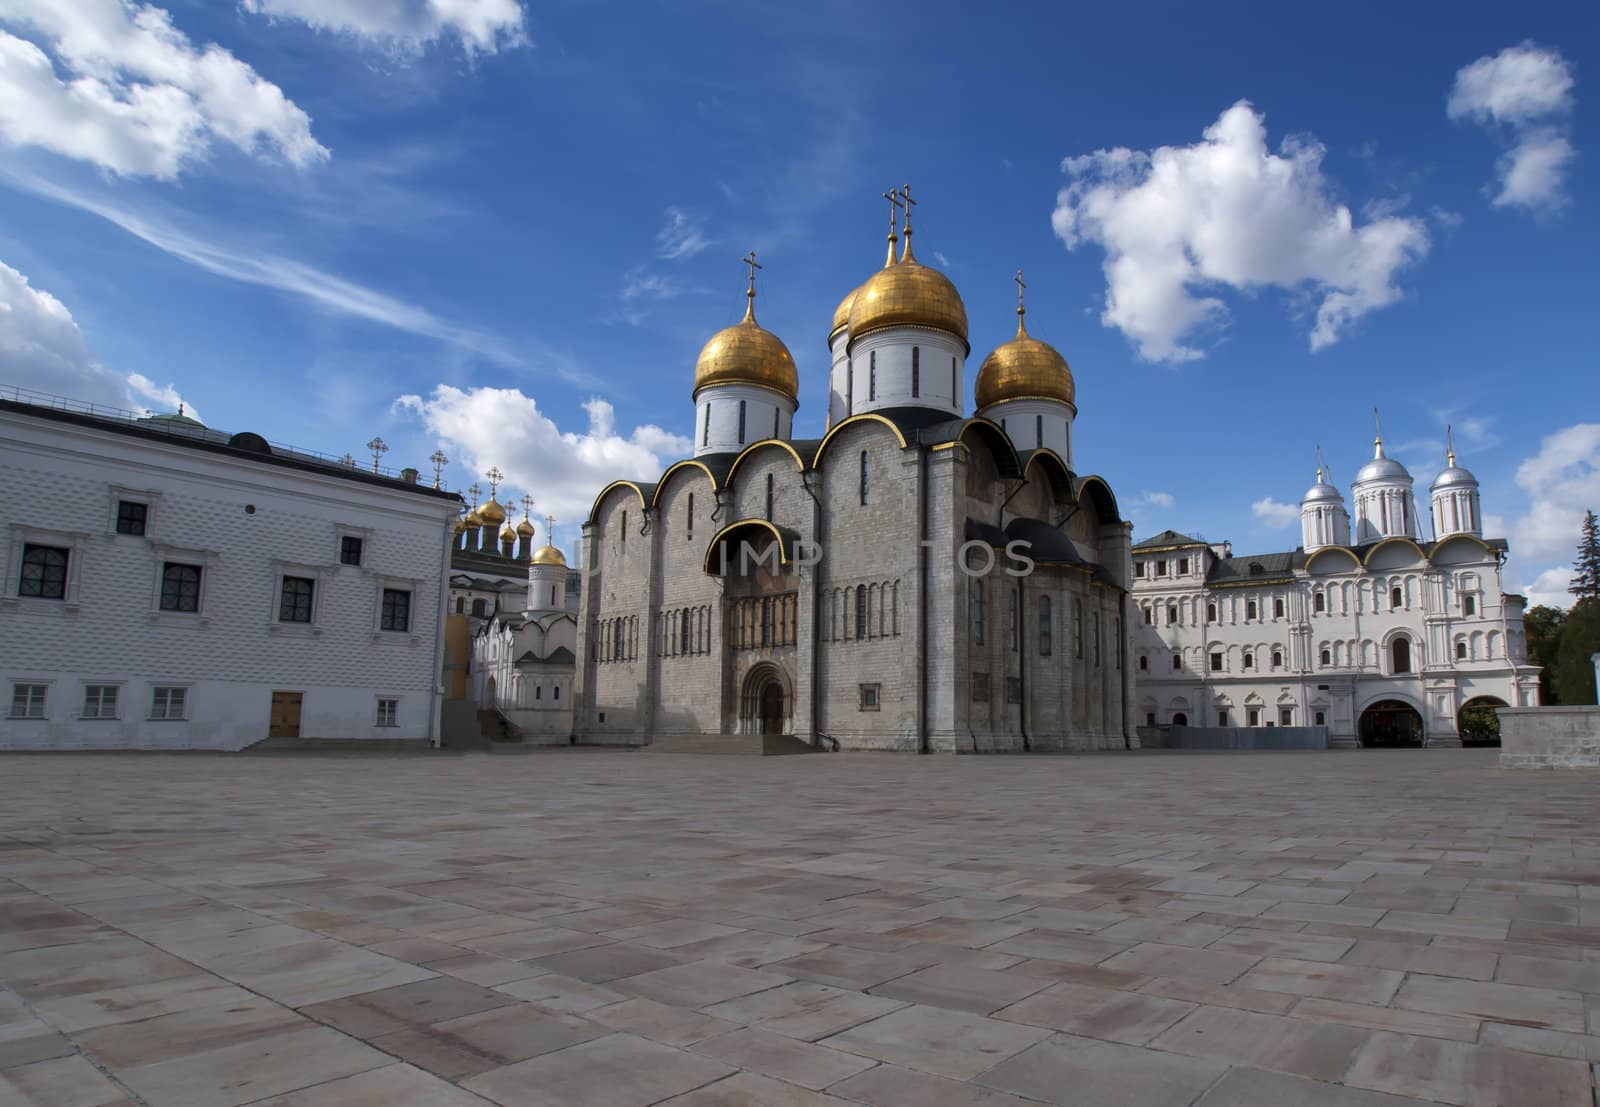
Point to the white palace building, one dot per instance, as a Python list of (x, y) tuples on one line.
[(1370, 628), (164, 585)]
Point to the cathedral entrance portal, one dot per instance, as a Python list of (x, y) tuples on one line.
[(1391, 723), (766, 705)]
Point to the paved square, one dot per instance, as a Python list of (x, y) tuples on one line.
[(611, 928)]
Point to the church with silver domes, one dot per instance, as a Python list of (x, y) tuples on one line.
[(926, 576), (1387, 629)]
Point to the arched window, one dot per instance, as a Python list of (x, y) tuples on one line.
[(863, 476), (774, 422), (1469, 605), (1319, 602), (1249, 659), (861, 612), (1327, 656), (688, 517), (916, 371), (1397, 597), (977, 612), (1177, 661), (1250, 610), (1461, 649), (705, 433), (1038, 431), (1400, 651), (952, 380), (461, 603), (1277, 659), (1144, 663), (1180, 719), (1149, 615), (1211, 612), (477, 607), (741, 422), (1172, 614), (872, 375), (769, 496), (552, 595), (1277, 609), (1077, 628)]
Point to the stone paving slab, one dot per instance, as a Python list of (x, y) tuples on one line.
[(1338, 929)]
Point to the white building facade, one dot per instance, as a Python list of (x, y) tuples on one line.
[(523, 660), (1383, 640), (166, 586)]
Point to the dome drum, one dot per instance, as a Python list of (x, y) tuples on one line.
[(905, 367)]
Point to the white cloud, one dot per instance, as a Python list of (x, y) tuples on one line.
[(1162, 500), (681, 236), (481, 26), (1524, 92), (1549, 589), (565, 469), (124, 89), (42, 350), (1179, 222), (1274, 514), (1560, 482)]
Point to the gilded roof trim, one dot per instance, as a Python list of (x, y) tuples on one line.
[(862, 417)]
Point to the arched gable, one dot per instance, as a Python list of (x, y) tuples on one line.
[(1459, 548), (713, 563), (765, 443), (988, 431), (863, 417), (1330, 551), (677, 467), (1394, 546), (1098, 492), (617, 486), (1055, 470)]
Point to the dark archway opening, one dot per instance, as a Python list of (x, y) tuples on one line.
[(1391, 723), (772, 709), (1479, 723), (1180, 719), (1401, 653)]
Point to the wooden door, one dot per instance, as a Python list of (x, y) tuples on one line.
[(285, 721)]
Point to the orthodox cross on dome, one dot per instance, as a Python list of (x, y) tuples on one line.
[(495, 477), (750, 293), (550, 529), (439, 462), (895, 204), (527, 506), (1377, 435), (1320, 469), (476, 492), (1449, 446), (378, 447), (905, 194)]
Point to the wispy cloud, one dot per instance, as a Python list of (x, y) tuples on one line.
[(642, 289), (1524, 95), (681, 236), (317, 287), (1275, 514)]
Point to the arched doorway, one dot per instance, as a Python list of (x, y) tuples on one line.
[(1180, 718), (1391, 723), (765, 704), (489, 693), (1478, 723)]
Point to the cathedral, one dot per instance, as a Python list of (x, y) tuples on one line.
[(1388, 628), (920, 578)]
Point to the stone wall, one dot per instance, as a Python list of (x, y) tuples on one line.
[(1549, 737)]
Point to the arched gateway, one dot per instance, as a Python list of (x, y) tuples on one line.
[(1391, 723), (766, 704)]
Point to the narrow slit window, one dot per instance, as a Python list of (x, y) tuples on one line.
[(741, 422), (863, 476), (916, 371), (872, 375)]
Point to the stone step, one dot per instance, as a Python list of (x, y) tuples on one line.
[(749, 745), (342, 745)]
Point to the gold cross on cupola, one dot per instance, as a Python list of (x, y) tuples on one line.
[(527, 505), (495, 477)]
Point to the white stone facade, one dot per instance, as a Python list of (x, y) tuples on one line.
[(523, 661), (175, 627), (1354, 638)]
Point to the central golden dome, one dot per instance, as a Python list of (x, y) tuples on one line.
[(1024, 369), (548, 555), (747, 353), (907, 294), (491, 513)]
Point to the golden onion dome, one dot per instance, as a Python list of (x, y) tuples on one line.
[(841, 314), (908, 294), (472, 519), (1024, 369), (525, 528), (492, 513), (747, 353), (549, 555), (461, 524), (507, 534)]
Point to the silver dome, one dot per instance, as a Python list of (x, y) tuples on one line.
[(1454, 476), (1322, 492), (1382, 468)]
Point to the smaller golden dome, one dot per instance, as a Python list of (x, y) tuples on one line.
[(472, 519), (492, 513), (747, 353), (1024, 369), (525, 528), (549, 555), (841, 314), (461, 524), (908, 294), (507, 534)]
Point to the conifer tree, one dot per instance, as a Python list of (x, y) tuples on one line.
[(1586, 570)]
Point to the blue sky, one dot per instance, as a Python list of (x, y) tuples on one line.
[(506, 229)]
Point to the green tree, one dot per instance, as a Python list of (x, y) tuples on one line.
[(1580, 638), (1586, 570), (1543, 625)]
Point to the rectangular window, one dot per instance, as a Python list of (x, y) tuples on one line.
[(1077, 629), (1138, 568), (27, 700), (538, 691), (1014, 630), (168, 703), (1286, 716), (1249, 660), (1322, 718), (1097, 638), (1222, 718), (1252, 716), (1038, 431), (916, 371), (1177, 661), (1183, 566), (1469, 605), (861, 612), (44, 572), (396, 609), (100, 701), (1250, 610), (1149, 718), (349, 550), (741, 422), (705, 432), (555, 693), (1319, 602), (1161, 568), (769, 496), (131, 517), (766, 618), (1216, 662), (977, 612), (869, 696), (294, 605), (180, 587), (953, 388), (863, 476), (1277, 609), (388, 712), (689, 518), (872, 375)]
